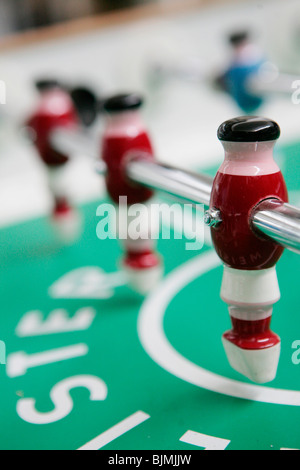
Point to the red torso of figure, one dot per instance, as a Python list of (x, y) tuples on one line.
[(116, 149), (55, 110), (236, 196)]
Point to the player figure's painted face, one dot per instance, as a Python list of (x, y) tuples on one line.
[(124, 124), (249, 143), (249, 158)]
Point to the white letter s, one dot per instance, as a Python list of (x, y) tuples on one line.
[(61, 399)]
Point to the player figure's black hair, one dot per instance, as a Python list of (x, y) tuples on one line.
[(46, 84), (238, 38), (122, 102), (249, 129), (86, 104)]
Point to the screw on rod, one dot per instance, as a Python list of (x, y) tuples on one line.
[(213, 218)]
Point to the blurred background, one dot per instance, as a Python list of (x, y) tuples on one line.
[(19, 15), (114, 46)]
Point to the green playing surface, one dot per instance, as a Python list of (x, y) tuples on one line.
[(89, 360)]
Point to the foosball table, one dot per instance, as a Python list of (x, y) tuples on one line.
[(116, 337)]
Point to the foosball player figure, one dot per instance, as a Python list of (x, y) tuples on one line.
[(55, 110), (248, 176), (246, 63), (126, 137)]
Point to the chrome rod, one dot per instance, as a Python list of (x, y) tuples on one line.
[(186, 185), (280, 222), (285, 84), (74, 142)]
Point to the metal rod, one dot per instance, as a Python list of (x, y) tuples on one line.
[(267, 80), (285, 84), (74, 142), (279, 222), (174, 181)]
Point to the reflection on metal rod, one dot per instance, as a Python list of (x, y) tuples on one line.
[(281, 84), (174, 181), (280, 222), (73, 142)]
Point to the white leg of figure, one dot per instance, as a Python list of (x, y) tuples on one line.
[(251, 347), (141, 263), (66, 220)]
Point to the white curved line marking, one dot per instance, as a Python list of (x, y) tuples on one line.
[(155, 343)]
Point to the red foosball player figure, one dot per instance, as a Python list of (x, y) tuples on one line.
[(248, 176), (125, 135), (55, 109)]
